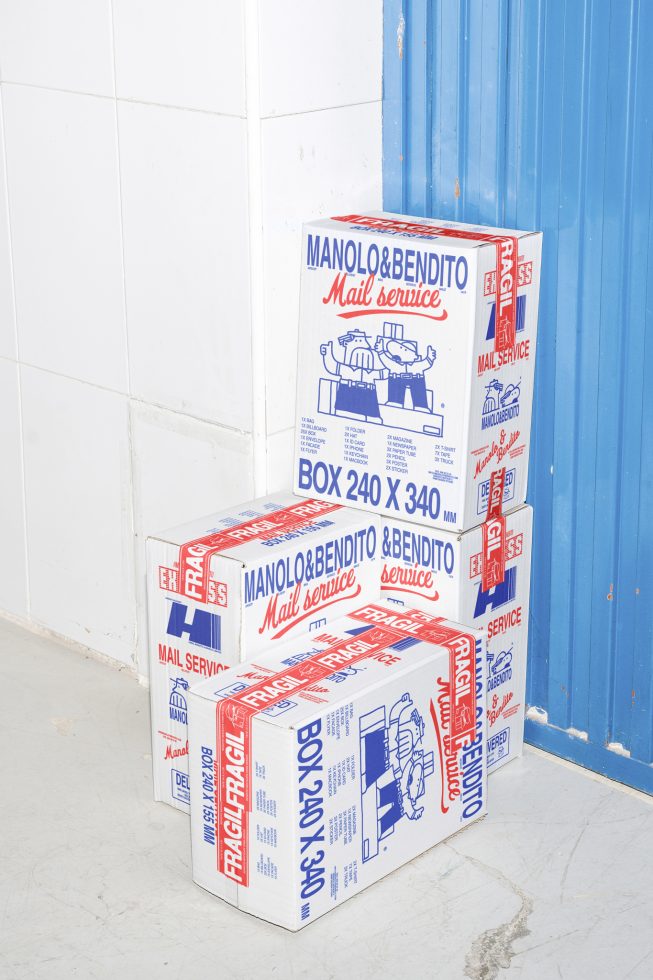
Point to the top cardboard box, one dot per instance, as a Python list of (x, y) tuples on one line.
[(415, 380)]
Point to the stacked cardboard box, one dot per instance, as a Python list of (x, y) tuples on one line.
[(414, 401), (353, 722)]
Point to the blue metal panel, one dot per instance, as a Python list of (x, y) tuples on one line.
[(538, 114)]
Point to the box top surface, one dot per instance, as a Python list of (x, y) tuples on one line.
[(259, 528), (407, 227), (309, 676)]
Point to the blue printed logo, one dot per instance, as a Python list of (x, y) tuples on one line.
[(484, 491), (498, 747), (180, 786), (177, 704), (497, 596), (202, 627), (520, 320), (501, 403), (500, 668)]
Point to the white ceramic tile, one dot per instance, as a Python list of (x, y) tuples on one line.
[(79, 511), (183, 469), (62, 170), (57, 44), (280, 448), (7, 320), (187, 54), (317, 55), (184, 186), (13, 582), (314, 165)]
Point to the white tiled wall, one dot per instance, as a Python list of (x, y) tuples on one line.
[(62, 173), (64, 44), (184, 205), (146, 371), (317, 55), (188, 54), (80, 541), (13, 581)]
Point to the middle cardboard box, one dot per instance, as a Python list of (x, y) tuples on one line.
[(229, 586)]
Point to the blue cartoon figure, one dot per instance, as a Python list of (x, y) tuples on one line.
[(394, 768), (406, 372), (492, 394), (357, 368), (384, 382), (177, 704), (511, 395)]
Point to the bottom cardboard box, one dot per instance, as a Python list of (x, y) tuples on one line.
[(319, 768)]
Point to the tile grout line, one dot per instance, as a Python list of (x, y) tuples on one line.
[(116, 98), (256, 256), (229, 430), (186, 108), (130, 440), (19, 379)]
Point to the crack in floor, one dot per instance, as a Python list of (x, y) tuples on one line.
[(493, 949)]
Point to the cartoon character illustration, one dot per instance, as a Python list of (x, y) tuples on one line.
[(394, 768), (357, 374), (406, 378), (511, 395), (492, 393), (502, 661), (385, 383), (177, 699)]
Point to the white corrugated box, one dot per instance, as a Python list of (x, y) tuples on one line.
[(228, 586), (411, 389), (319, 768)]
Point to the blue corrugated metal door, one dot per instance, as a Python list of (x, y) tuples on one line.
[(538, 115)]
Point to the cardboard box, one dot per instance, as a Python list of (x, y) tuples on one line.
[(442, 573), (411, 389), (226, 587), (318, 769)]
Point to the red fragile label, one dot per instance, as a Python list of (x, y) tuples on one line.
[(493, 563), (462, 661), (195, 556), (506, 275), (234, 732)]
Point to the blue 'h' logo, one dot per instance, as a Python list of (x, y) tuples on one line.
[(203, 629), (498, 596)]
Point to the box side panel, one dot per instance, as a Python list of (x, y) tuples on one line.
[(188, 641), (202, 761), (383, 787), (503, 611), (421, 567), (383, 368), (328, 574), (502, 390)]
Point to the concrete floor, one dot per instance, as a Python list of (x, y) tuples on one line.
[(95, 877)]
